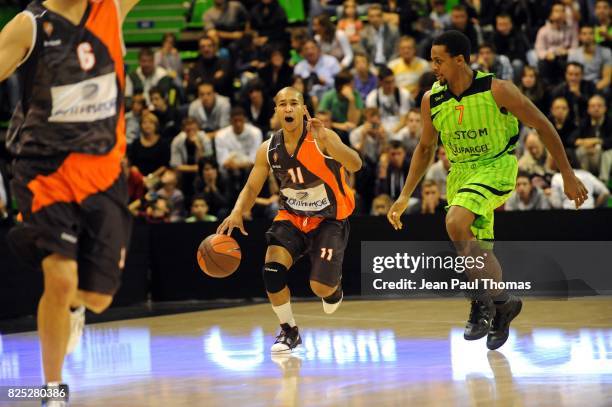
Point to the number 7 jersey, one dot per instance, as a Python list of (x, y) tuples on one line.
[(311, 183)]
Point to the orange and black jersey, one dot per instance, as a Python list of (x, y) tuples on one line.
[(311, 183), (72, 84)]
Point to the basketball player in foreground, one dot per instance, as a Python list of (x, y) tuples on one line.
[(310, 163), (476, 118), (67, 135)]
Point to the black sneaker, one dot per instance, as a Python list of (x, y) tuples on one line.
[(56, 395), (287, 340), (479, 322), (500, 329)]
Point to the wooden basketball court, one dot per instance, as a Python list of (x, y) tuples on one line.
[(383, 353)]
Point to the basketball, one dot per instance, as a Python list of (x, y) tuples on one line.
[(219, 255)]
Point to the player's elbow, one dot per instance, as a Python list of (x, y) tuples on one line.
[(354, 164)]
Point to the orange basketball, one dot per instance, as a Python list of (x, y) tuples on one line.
[(219, 255)]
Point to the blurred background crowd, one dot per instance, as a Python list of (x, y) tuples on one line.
[(200, 102)]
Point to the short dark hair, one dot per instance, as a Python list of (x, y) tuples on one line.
[(344, 77), (237, 111), (145, 52), (487, 45), (504, 15), (206, 83), (156, 90), (384, 72), (204, 161), (459, 7), (576, 64), (523, 174), (198, 197), (456, 43), (393, 144)]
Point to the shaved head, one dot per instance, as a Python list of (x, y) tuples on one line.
[(289, 93)]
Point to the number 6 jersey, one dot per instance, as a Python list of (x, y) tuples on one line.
[(311, 183), (72, 84)]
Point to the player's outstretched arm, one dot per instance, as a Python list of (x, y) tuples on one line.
[(15, 42), (330, 143), (246, 199), (423, 154), (508, 96)]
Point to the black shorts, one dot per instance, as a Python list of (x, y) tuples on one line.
[(324, 245), (77, 209)]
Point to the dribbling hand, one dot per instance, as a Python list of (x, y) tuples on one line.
[(396, 211), (234, 220)]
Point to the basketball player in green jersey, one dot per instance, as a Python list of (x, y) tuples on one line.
[(476, 118)]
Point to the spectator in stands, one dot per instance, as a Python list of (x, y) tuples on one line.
[(317, 69), (149, 152), (344, 103), (258, 106), (169, 191), (381, 205), (391, 101), (408, 67), (236, 147), (431, 200), (276, 74), (168, 58), (603, 30), (561, 119), (350, 23), (596, 60), (299, 36), (364, 80), (266, 204), (370, 139), (326, 117), (510, 42), (225, 21), (438, 172), (132, 118), (310, 101), (526, 197), (439, 16), (597, 192), (187, 148), (533, 87), (489, 61), (269, 19), (410, 130), (553, 43), (461, 22), (157, 210), (379, 39), (135, 180), (332, 41), (213, 186), (199, 211), (535, 160), (392, 170), (210, 68), (4, 202), (169, 117), (594, 139), (425, 83), (146, 76), (576, 90), (210, 110)]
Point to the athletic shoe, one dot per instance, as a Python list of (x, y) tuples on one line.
[(57, 395), (330, 308), (77, 323), (287, 340), (479, 322), (500, 329)]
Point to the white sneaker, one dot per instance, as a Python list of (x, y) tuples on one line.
[(287, 340), (331, 308), (77, 322)]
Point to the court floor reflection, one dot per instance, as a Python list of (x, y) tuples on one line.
[(369, 353)]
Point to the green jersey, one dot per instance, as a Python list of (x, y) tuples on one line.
[(472, 127)]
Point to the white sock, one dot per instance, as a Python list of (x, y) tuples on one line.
[(284, 314)]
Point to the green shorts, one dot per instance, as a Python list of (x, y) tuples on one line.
[(481, 187)]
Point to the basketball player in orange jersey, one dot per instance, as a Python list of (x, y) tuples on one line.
[(310, 163), (67, 135)]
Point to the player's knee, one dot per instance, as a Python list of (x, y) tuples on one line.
[(275, 277), (321, 290), (96, 302), (60, 280), (456, 229)]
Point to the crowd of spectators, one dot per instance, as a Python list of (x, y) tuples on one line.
[(193, 128)]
